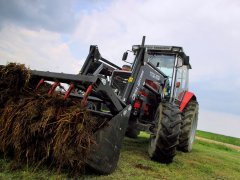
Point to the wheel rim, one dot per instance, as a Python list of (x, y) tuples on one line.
[(193, 130)]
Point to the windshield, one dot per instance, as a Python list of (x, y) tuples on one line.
[(163, 62)]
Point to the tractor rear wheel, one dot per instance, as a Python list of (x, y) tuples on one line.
[(188, 127), (163, 143)]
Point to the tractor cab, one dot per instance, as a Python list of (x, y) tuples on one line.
[(165, 69), (172, 62)]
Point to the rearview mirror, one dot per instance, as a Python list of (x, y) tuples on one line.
[(186, 60), (125, 55)]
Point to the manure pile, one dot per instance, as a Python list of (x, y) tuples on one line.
[(37, 129)]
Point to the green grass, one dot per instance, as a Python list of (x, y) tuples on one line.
[(218, 137), (206, 161)]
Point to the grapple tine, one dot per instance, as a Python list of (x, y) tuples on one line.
[(85, 96), (71, 87), (39, 84), (54, 86)]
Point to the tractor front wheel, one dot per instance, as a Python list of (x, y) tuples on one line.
[(163, 143)]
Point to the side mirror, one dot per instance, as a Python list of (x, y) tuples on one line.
[(186, 60), (125, 55)]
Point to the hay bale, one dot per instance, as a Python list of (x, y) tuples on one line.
[(14, 78), (39, 129)]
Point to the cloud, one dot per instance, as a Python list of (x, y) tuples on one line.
[(54, 15), (206, 29), (114, 26), (219, 122), (42, 50), (224, 99)]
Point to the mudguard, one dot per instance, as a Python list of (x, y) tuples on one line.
[(186, 98), (104, 155)]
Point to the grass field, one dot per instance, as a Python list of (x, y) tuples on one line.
[(206, 161), (218, 137)]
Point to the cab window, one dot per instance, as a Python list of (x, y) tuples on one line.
[(163, 62)]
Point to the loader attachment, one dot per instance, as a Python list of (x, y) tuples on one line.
[(86, 94), (104, 155)]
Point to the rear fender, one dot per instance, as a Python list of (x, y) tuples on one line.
[(104, 155), (186, 98)]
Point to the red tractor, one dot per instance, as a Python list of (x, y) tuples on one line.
[(151, 95), (157, 88)]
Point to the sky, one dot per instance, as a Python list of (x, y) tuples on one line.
[(55, 36)]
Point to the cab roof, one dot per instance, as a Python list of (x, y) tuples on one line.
[(165, 49)]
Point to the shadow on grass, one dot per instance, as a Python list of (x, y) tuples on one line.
[(139, 143)]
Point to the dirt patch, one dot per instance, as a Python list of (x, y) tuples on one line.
[(144, 167)]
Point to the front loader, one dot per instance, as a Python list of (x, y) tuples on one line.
[(152, 96)]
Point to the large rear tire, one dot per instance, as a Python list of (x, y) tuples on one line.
[(188, 127), (162, 145)]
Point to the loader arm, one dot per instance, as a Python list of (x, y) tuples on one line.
[(95, 64)]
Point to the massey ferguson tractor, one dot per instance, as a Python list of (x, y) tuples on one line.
[(151, 95)]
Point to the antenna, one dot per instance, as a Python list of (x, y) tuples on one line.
[(143, 40)]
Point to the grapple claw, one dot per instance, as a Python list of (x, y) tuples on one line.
[(85, 96), (71, 87), (39, 84), (54, 86)]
